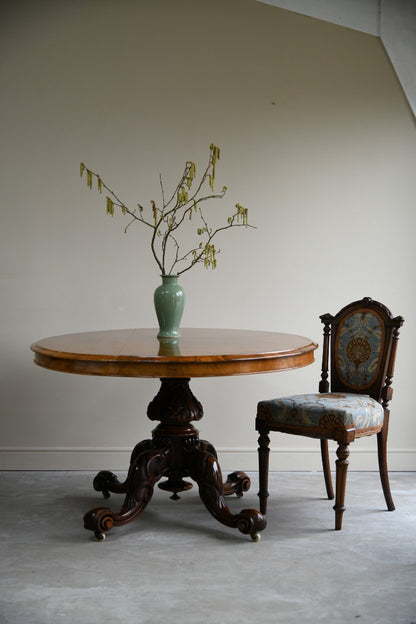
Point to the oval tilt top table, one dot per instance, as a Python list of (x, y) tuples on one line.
[(175, 450)]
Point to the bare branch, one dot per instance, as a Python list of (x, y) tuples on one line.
[(166, 221)]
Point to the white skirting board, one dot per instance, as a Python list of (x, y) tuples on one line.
[(117, 459)]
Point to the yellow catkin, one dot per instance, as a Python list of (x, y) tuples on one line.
[(154, 210), (110, 206)]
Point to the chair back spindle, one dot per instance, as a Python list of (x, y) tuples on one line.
[(326, 320)]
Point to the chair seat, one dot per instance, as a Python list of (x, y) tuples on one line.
[(346, 409)]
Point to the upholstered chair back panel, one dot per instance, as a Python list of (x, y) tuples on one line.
[(361, 345), (359, 349)]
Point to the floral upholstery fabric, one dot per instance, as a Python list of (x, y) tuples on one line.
[(323, 410), (358, 349)]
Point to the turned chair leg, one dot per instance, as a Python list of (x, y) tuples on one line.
[(263, 452), (341, 480), (382, 465), (327, 469)]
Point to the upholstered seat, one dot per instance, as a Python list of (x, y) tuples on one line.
[(360, 342), (315, 410)]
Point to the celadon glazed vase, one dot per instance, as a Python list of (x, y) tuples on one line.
[(169, 300)]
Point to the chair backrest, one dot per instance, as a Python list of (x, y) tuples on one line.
[(362, 339)]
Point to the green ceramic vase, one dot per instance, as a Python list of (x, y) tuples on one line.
[(169, 300)]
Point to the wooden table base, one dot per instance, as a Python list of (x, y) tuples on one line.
[(175, 451)]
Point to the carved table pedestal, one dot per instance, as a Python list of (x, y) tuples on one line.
[(175, 451)]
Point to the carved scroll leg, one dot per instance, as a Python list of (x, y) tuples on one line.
[(148, 467), (204, 445), (263, 452), (341, 480), (205, 470), (237, 482), (107, 481)]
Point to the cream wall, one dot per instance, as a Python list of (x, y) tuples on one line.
[(317, 140), (394, 21)]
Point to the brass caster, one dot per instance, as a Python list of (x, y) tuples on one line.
[(100, 537), (256, 537)]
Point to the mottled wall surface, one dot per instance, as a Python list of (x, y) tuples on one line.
[(317, 140)]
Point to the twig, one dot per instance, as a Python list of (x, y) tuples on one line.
[(181, 205)]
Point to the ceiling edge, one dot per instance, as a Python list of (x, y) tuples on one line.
[(394, 21)]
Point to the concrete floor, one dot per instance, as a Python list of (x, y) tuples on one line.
[(176, 564)]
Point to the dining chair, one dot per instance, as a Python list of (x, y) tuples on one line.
[(359, 351)]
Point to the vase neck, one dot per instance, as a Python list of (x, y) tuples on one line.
[(170, 278)]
